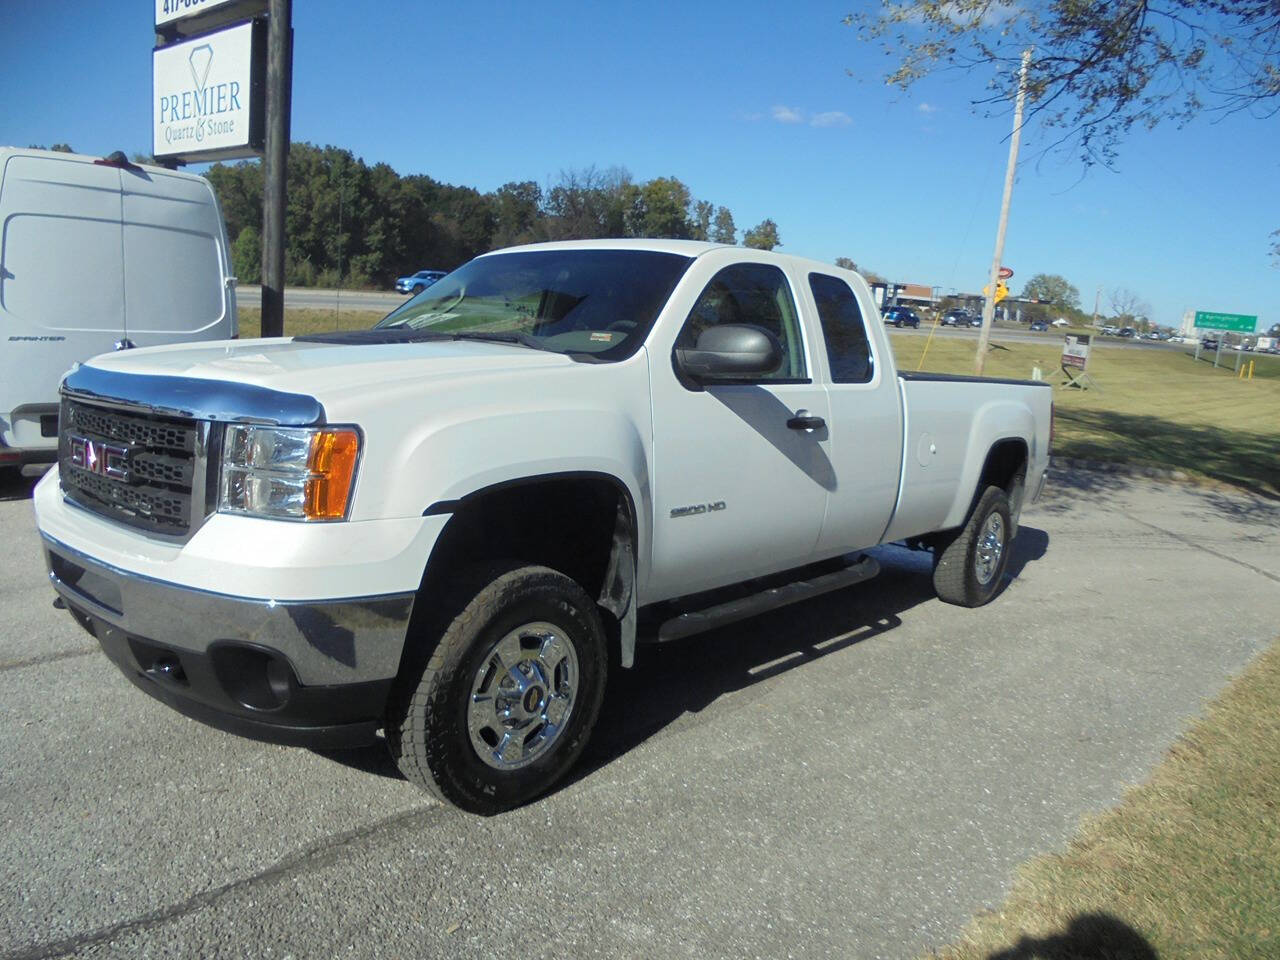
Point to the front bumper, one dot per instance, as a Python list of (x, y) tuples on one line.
[(234, 663)]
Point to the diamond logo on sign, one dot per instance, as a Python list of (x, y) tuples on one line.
[(201, 59)]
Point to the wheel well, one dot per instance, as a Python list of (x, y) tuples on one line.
[(574, 524), (1006, 468), (563, 523)]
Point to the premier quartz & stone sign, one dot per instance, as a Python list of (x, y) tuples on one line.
[(207, 95)]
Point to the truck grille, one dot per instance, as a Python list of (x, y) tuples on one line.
[(136, 468)]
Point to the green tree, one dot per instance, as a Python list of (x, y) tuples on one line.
[(516, 213), (1052, 289), (763, 236), (723, 229), (246, 256), (703, 211), (1100, 66), (659, 208)]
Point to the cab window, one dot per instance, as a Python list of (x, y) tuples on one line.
[(848, 350), (753, 294)]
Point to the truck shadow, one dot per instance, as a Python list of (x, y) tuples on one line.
[(672, 680), (682, 678)]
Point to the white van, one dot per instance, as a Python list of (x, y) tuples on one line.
[(98, 255)]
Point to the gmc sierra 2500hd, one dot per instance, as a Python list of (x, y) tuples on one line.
[(448, 526)]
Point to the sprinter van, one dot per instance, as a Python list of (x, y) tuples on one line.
[(98, 254)]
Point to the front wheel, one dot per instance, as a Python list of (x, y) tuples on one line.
[(969, 564), (508, 698)]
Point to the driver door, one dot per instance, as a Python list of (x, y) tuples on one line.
[(740, 489)]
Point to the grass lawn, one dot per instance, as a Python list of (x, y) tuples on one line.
[(1187, 867), (1154, 407), (298, 322)]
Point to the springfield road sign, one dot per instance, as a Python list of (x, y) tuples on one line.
[(1233, 322), (1075, 350), (208, 96)]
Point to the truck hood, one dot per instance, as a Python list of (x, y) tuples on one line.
[(329, 371)]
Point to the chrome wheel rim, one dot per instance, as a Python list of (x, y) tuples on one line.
[(522, 696), (990, 546)]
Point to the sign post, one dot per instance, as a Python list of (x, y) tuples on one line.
[(1219, 323), (1075, 361), (223, 79)]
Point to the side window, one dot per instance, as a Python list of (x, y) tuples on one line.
[(842, 329), (758, 295)]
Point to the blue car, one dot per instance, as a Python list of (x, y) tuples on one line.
[(901, 317), (419, 281)]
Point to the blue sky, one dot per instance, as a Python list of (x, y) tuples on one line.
[(750, 104)]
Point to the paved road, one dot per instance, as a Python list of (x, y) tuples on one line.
[(853, 777), (313, 299)]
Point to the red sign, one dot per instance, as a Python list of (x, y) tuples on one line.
[(1005, 273)]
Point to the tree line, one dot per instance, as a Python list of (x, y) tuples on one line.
[(357, 225)]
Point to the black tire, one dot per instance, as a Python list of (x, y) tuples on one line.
[(418, 288), (964, 570), (427, 725)]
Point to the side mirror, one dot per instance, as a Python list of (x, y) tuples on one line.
[(730, 351)]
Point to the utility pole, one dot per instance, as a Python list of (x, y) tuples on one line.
[(1097, 298), (989, 308), (275, 162)]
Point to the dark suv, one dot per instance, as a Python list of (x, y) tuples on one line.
[(901, 317)]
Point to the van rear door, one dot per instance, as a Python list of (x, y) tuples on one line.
[(61, 289), (175, 260)]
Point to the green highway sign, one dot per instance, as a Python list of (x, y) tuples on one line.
[(1234, 322)]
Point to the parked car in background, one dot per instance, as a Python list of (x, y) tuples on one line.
[(1061, 322), (1038, 325), (1127, 332), (1110, 331), (100, 254), (418, 281), (901, 317)]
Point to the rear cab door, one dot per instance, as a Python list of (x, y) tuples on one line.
[(865, 427)]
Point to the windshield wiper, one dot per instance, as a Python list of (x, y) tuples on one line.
[(504, 336)]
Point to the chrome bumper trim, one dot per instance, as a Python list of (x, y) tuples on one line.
[(328, 642)]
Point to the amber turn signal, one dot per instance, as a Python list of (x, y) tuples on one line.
[(332, 465)]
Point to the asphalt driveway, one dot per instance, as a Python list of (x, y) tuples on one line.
[(854, 777)]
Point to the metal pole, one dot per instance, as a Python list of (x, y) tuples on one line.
[(989, 308), (275, 164)]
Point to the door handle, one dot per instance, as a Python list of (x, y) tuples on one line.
[(804, 421)]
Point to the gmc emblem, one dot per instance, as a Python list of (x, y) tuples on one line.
[(101, 458)]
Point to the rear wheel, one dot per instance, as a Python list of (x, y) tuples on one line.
[(969, 564), (508, 698)]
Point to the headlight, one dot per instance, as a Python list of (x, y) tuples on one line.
[(290, 473)]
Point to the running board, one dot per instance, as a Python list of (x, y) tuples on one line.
[(698, 621)]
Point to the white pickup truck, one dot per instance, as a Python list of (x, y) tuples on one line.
[(450, 526)]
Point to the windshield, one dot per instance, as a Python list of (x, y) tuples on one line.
[(599, 302)]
